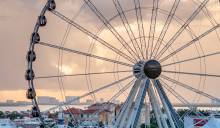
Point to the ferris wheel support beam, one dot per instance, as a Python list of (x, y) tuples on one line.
[(161, 122), (138, 104), (171, 113), (176, 95), (179, 97), (123, 114), (112, 30), (183, 27)]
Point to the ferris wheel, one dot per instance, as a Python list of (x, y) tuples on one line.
[(163, 52)]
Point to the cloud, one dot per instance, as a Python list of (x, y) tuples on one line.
[(18, 18)]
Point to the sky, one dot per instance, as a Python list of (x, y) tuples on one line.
[(17, 20)]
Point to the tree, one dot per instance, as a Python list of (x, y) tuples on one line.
[(151, 126), (2, 114), (101, 124)]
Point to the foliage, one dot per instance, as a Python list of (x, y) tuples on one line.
[(1, 114), (101, 124)]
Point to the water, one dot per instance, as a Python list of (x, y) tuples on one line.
[(42, 107), (46, 107)]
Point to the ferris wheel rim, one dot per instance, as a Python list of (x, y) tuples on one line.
[(31, 48)]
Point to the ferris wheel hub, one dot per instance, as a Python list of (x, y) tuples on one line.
[(151, 69)]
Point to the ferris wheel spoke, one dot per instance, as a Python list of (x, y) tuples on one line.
[(190, 43), (191, 59), (80, 74), (191, 73), (183, 27), (83, 54), (166, 27), (128, 29), (120, 92), (95, 37), (112, 29), (179, 97), (152, 29), (176, 94), (190, 88), (140, 23), (90, 93)]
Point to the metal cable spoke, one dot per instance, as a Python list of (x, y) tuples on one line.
[(95, 37), (80, 74), (111, 29), (179, 32), (127, 27), (188, 87), (120, 92), (166, 27), (83, 53), (130, 46), (89, 93), (140, 23), (176, 95), (152, 29), (190, 43), (191, 73), (60, 61), (191, 59)]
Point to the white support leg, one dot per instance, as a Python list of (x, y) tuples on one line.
[(166, 108), (156, 102), (138, 104), (147, 115), (155, 110), (175, 116), (124, 113)]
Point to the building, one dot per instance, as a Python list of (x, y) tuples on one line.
[(23, 103), (102, 100), (46, 100), (215, 102), (96, 113), (10, 101), (201, 122), (75, 99), (89, 101)]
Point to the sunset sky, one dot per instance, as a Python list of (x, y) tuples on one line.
[(17, 20)]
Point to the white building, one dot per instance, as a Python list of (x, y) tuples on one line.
[(89, 101), (75, 99), (201, 122), (46, 100), (10, 101)]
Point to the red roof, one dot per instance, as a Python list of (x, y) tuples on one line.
[(98, 105), (73, 111), (95, 108), (89, 111)]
